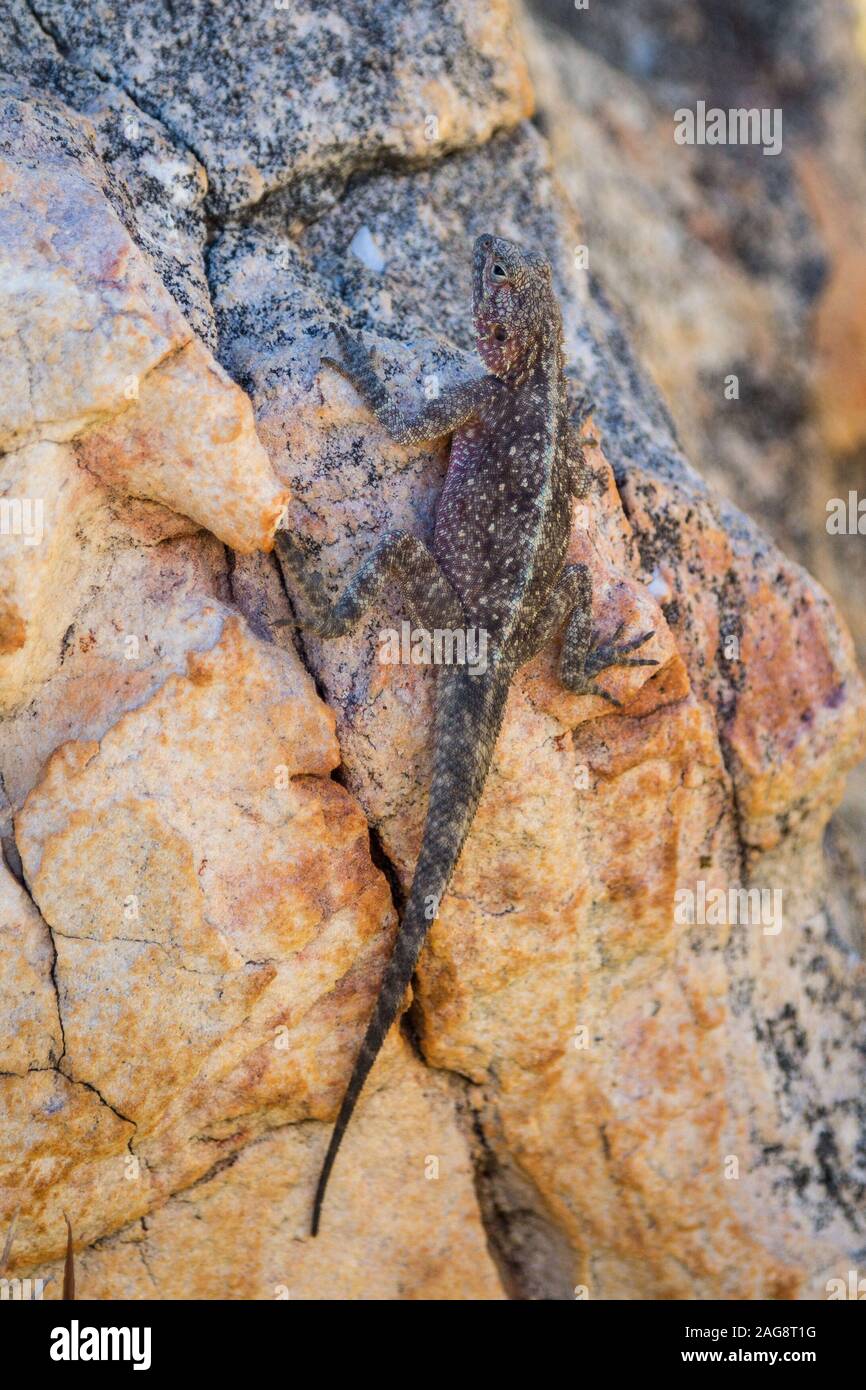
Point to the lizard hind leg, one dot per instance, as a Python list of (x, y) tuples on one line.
[(582, 657), (400, 556)]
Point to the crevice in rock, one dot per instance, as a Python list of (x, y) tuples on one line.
[(227, 1161), (112, 79), (533, 1258), (11, 858), (54, 1061), (47, 30), (378, 854), (8, 845), (142, 1251), (287, 199), (175, 953), (89, 1086), (54, 982)]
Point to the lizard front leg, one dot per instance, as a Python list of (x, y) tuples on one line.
[(581, 659), (429, 597), (436, 418)]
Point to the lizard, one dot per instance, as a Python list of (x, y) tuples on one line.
[(497, 563)]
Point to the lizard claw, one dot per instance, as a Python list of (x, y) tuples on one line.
[(338, 334), (638, 641), (593, 689), (614, 653), (600, 657), (581, 683)]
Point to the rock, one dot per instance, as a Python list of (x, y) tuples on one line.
[(563, 973), (60, 233), (28, 1004), (198, 860), (742, 274), (616, 1089), (307, 96), (188, 441), (156, 188), (239, 1225), (132, 406)]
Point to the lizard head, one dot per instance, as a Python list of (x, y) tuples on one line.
[(514, 306)]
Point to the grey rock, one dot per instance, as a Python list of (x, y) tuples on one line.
[(155, 185), (299, 96)]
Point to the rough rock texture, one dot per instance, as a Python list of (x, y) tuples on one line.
[(558, 922), (100, 353), (731, 262), (307, 94), (102, 377), (591, 1093), (27, 997), (237, 1231)]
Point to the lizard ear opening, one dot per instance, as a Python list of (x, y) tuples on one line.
[(498, 271)]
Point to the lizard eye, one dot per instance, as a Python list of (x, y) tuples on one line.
[(500, 334), (498, 271)]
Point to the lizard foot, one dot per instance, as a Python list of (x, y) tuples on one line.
[(601, 656), (353, 358), (312, 588)]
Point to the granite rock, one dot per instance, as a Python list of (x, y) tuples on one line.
[(308, 94), (610, 1091)]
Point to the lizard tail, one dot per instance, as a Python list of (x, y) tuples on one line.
[(469, 712)]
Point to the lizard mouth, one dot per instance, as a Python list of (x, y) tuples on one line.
[(482, 247)]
